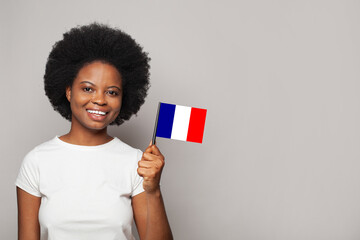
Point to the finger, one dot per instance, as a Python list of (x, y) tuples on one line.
[(146, 172), (148, 149), (150, 157), (145, 164), (154, 163), (155, 150), (141, 171)]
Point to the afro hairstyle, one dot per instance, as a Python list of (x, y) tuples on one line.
[(97, 42)]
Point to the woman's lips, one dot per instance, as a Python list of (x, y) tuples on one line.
[(96, 117)]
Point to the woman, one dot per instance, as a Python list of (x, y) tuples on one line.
[(86, 184)]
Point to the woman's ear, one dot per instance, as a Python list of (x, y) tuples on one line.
[(68, 93)]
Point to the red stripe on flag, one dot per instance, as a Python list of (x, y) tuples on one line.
[(196, 125)]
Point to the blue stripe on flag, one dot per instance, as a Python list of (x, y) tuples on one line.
[(165, 120)]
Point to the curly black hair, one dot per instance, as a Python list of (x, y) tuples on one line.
[(97, 42)]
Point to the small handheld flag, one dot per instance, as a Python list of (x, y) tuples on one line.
[(156, 123), (180, 123)]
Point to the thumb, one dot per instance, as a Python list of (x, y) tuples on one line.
[(148, 149), (152, 143)]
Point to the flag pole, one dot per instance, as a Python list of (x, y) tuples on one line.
[(155, 128)]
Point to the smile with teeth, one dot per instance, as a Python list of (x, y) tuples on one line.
[(99, 113)]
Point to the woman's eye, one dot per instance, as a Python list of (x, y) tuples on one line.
[(113, 93), (87, 89)]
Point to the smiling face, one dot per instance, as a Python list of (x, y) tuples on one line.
[(95, 96)]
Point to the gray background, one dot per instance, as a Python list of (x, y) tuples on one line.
[(280, 80)]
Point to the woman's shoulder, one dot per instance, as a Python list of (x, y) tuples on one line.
[(32, 155), (46, 145), (125, 147)]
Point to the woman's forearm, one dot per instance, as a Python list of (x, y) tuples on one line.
[(158, 227)]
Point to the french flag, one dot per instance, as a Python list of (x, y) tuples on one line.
[(181, 122)]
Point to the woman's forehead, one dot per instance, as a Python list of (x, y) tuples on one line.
[(99, 73)]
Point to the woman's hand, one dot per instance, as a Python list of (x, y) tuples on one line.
[(149, 210), (150, 168)]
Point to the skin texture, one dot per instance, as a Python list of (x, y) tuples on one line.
[(28, 209), (99, 86)]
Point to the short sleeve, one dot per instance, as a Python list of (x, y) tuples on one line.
[(28, 175), (138, 180)]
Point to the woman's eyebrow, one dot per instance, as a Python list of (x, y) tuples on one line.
[(95, 85)]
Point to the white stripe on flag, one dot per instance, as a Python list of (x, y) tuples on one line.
[(181, 123)]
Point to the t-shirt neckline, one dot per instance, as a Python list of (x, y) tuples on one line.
[(75, 146)]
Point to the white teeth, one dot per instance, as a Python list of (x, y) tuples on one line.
[(97, 112)]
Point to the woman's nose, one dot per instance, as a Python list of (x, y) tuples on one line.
[(99, 98)]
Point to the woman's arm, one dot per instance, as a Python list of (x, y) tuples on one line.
[(148, 207), (150, 217), (28, 209)]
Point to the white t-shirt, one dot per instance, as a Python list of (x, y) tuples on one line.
[(85, 190)]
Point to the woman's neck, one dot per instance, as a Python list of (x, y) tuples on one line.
[(86, 137)]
